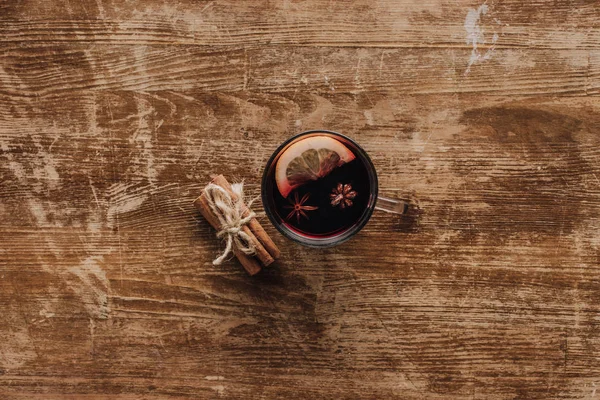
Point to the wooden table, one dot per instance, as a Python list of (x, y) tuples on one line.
[(113, 114)]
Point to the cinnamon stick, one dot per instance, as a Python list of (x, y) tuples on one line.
[(250, 264), (254, 225), (261, 253)]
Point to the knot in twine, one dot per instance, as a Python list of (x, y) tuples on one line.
[(229, 212)]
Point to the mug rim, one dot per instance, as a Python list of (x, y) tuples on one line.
[(332, 240)]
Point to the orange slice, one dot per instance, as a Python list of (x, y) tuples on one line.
[(308, 160)]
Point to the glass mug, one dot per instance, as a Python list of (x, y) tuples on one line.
[(319, 188)]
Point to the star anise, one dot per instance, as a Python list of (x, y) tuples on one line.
[(298, 207), (342, 195)]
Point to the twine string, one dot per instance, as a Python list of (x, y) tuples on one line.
[(230, 213)]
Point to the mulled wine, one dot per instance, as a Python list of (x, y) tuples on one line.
[(319, 188)]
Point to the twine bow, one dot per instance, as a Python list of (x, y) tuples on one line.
[(230, 215)]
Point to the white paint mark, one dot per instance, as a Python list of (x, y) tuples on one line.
[(100, 9), (92, 327), (98, 76), (214, 378), (184, 96), (124, 205), (17, 169), (357, 80), (94, 192), (124, 198), (127, 205), (369, 117), (46, 314), (45, 166), (476, 36), (322, 108), (51, 174), (220, 389), (16, 347), (52, 144), (94, 226), (418, 143), (92, 286), (329, 84), (207, 6), (246, 70), (142, 137), (169, 103), (86, 279), (37, 211)]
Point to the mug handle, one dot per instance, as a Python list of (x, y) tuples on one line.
[(392, 206)]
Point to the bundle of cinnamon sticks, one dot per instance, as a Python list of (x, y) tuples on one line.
[(265, 250)]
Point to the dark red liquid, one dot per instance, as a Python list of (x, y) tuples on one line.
[(327, 219)]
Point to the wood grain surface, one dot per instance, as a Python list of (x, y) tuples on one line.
[(113, 115)]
